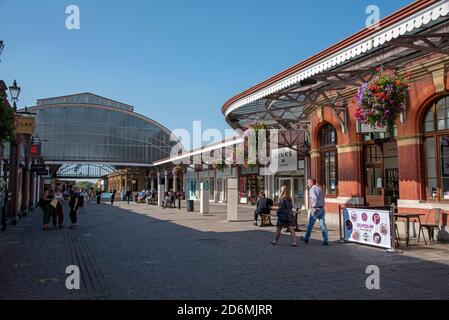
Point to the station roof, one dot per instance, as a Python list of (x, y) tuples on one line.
[(286, 100)]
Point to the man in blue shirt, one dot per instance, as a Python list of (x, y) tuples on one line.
[(316, 211)]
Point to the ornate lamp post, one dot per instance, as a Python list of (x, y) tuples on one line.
[(2, 46), (305, 148), (14, 90)]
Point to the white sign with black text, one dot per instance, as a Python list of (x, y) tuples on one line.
[(283, 160)]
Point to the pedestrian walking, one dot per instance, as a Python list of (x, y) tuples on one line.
[(76, 202), (44, 204), (286, 217), (58, 211), (316, 211), (98, 195), (113, 197), (128, 195)]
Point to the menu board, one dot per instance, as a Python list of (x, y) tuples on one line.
[(370, 227)]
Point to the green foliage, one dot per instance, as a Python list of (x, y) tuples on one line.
[(86, 185), (7, 123)]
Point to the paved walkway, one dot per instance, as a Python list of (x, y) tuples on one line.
[(144, 252)]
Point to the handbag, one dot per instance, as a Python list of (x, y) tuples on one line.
[(283, 213), (54, 203)]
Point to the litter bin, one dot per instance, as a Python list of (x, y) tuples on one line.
[(190, 206)]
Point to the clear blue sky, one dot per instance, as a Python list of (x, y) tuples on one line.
[(175, 61)]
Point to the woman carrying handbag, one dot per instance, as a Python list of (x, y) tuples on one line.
[(286, 217)]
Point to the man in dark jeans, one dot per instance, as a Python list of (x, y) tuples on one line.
[(263, 206)]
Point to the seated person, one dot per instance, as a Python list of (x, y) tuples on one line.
[(263, 207), (169, 199)]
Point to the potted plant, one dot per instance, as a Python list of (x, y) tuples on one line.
[(381, 101)]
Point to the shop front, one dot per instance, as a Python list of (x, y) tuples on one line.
[(381, 179), (287, 170), (190, 184), (251, 183), (222, 182)]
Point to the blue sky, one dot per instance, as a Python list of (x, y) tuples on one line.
[(175, 61)]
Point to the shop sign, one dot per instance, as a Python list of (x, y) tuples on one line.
[(370, 227), (249, 171), (35, 151), (283, 160), (25, 125)]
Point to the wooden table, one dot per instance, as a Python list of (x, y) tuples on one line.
[(408, 216)]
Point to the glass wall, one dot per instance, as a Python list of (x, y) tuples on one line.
[(95, 134)]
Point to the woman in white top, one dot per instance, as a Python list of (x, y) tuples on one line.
[(58, 212)]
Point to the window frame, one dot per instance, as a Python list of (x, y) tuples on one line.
[(436, 135), (326, 149)]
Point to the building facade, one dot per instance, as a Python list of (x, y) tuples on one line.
[(405, 166)]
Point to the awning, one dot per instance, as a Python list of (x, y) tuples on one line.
[(287, 100)]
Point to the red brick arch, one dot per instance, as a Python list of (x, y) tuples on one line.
[(417, 118)]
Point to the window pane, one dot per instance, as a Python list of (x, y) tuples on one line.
[(431, 170), (445, 188), (330, 173), (430, 143), (374, 180)]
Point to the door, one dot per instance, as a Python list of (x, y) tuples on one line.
[(391, 186), (296, 187), (286, 182), (374, 179)]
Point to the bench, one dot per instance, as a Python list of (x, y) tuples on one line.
[(170, 203), (266, 218)]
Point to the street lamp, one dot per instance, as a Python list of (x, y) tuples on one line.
[(306, 147), (14, 90), (2, 45)]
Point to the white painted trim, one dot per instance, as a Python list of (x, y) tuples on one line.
[(123, 164), (409, 24), (201, 151)]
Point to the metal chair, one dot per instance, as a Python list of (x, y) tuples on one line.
[(430, 226)]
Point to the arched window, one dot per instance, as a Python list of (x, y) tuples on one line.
[(436, 145), (328, 152)]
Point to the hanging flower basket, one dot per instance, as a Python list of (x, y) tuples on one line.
[(381, 101), (177, 171), (256, 128)]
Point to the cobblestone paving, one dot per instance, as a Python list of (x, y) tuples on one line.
[(143, 252)]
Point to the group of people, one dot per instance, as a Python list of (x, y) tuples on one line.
[(51, 204), (286, 216)]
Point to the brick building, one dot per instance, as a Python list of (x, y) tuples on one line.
[(407, 166)]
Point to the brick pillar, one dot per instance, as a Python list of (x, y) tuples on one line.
[(25, 189), (350, 175), (32, 200), (315, 165), (409, 163)]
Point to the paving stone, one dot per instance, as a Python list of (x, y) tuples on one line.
[(143, 252)]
